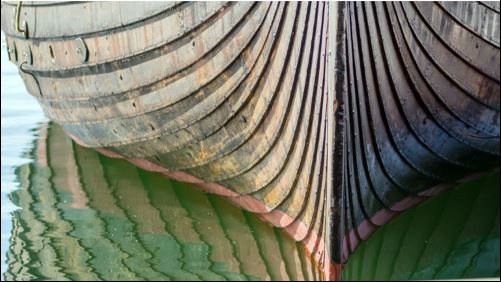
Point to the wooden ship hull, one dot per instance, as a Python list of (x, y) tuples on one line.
[(325, 119)]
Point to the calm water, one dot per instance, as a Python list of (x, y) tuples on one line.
[(21, 115), (454, 235), (69, 213)]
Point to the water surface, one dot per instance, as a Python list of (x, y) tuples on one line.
[(453, 235), (69, 213), (20, 115)]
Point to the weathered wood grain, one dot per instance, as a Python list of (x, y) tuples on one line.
[(327, 119)]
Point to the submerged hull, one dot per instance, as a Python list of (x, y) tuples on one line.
[(326, 119)]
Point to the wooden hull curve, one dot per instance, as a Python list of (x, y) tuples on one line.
[(326, 119)]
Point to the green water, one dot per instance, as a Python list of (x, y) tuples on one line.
[(20, 115), (84, 216), (454, 235), (69, 213)]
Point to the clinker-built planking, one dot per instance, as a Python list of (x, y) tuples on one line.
[(326, 119)]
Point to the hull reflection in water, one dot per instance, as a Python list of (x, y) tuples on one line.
[(84, 216), (454, 235)]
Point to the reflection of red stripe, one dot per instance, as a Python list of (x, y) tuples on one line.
[(42, 146), (366, 229), (295, 229)]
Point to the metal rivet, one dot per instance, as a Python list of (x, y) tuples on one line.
[(82, 50), (28, 58), (25, 29), (12, 52)]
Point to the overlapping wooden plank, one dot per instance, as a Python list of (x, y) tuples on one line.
[(471, 81), (438, 111), (467, 109), (93, 17), (455, 156), (162, 70), (238, 97), (476, 17), (172, 118), (434, 162), (289, 209), (479, 55), (278, 162), (236, 131), (141, 43)]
